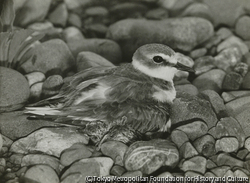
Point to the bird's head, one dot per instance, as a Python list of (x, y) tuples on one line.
[(158, 61)]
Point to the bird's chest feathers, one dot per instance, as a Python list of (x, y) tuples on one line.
[(164, 95)]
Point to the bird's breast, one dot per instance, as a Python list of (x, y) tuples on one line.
[(164, 95)]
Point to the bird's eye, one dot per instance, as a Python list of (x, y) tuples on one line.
[(158, 59)]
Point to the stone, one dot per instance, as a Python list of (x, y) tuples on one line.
[(233, 41), (194, 130), (59, 15), (187, 151), (226, 12), (50, 57), (74, 177), (247, 144), (241, 68), (244, 120), (227, 144), (41, 173), (216, 101), (238, 105), (197, 164), (97, 30), (78, 6), (232, 81), (237, 94), (148, 156), (226, 159), (52, 86), (211, 80), (179, 137), (115, 150), (191, 174), (87, 59), (187, 88), (178, 6), (228, 58), (212, 43), (51, 141), (133, 33), (229, 173), (241, 154), (228, 127), (35, 77), (14, 90), (240, 173), (133, 174), (99, 166), (210, 164), (246, 165), (220, 170), (200, 52), (203, 64), (188, 107), (96, 11), (117, 170), (165, 174), (74, 39), (1, 142), (242, 27), (74, 20), (246, 82), (209, 174), (224, 33), (75, 153), (246, 58), (205, 145), (157, 14), (37, 12), (36, 92), (198, 10), (33, 159)]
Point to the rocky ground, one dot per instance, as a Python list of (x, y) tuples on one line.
[(210, 134)]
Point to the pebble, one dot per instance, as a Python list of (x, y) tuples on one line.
[(1, 142), (229, 173), (75, 153), (205, 145), (35, 77), (241, 68), (59, 15), (16, 159), (197, 164), (238, 105), (244, 119), (144, 155), (209, 174), (74, 177), (188, 107), (220, 170), (226, 159), (200, 52), (14, 90), (224, 33), (187, 151), (177, 6), (247, 144), (133, 174), (78, 6), (117, 170), (97, 30), (179, 137), (241, 154), (37, 12), (235, 94), (212, 43), (87, 59), (96, 11), (74, 20), (41, 173), (165, 174), (51, 141), (52, 86), (157, 14), (203, 64), (227, 144), (52, 57), (36, 92), (74, 39), (246, 82), (115, 150), (188, 88), (239, 173), (178, 33), (210, 164), (242, 27), (232, 81), (211, 80)]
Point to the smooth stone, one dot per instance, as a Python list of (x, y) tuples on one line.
[(244, 119), (224, 33), (232, 81), (78, 6), (36, 92), (246, 82), (2, 162), (74, 153), (97, 30), (33, 159), (179, 137), (212, 43), (217, 103), (209, 174), (226, 12), (187, 107), (200, 52), (96, 11), (187, 151), (187, 88), (205, 145), (74, 177), (1, 141), (167, 4), (115, 150), (228, 127), (241, 68), (133, 33), (241, 154), (74, 39), (227, 144), (242, 27), (74, 20), (197, 164), (52, 57), (247, 144), (228, 58), (226, 159), (246, 165), (165, 174), (148, 156), (203, 64), (211, 164), (16, 159), (51, 141), (229, 173), (178, 6), (133, 174), (211, 80), (14, 90), (191, 174), (41, 173), (52, 85), (87, 59), (59, 15), (99, 166), (117, 170), (231, 95), (233, 41), (238, 105), (35, 77), (239, 173), (37, 12), (220, 170), (157, 14)]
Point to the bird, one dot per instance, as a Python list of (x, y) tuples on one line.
[(118, 102)]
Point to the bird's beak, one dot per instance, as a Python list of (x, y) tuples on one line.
[(182, 67)]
